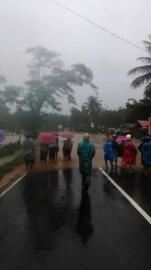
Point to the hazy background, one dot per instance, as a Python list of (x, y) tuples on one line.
[(26, 23)]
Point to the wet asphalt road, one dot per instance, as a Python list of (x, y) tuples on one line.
[(45, 223), (136, 184)]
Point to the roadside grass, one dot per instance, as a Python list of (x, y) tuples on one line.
[(9, 149), (10, 166)]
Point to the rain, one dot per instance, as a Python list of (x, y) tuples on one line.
[(75, 134)]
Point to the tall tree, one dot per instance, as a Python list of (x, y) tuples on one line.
[(77, 121), (48, 82)]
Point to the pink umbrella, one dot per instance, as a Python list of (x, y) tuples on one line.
[(66, 134), (52, 138), (120, 138), (47, 138)]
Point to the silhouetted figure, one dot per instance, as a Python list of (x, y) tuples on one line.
[(28, 152), (57, 147), (52, 151), (43, 153), (67, 149)]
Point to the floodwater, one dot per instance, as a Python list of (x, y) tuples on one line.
[(12, 138), (46, 223)]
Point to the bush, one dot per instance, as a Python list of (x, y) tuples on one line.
[(9, 149)]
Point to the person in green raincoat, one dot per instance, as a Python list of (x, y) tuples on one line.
[(86, 152)]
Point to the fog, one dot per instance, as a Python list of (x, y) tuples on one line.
[(28, 23)]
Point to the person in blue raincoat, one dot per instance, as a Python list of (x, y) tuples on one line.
[(146, 153), (109, 154), (86, 152)]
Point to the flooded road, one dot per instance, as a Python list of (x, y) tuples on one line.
[(46, 223)]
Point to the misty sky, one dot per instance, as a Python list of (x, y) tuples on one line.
[(26, 23)]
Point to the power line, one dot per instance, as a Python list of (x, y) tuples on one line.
[(97, 25)]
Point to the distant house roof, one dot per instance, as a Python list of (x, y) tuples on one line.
[(127, 126), (143, 124)]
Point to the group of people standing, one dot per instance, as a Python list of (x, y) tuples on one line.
[(85, 151), (52, 150), (127, 151), (113, 149)]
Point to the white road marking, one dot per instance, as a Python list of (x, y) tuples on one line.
[(12, 185), (132, 202)]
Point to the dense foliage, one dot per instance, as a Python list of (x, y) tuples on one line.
[(91, 117)]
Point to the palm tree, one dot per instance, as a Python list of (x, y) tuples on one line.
[(92, 110), (144, 71)]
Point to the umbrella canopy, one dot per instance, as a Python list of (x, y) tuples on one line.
[(2, 135), (47, 138), (120, 138), (66, 134)]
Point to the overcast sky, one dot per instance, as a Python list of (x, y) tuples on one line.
[(26, 23)]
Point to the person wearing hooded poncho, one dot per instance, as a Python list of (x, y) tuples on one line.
[(28, 152), (67, 149), (43, 153), (129, 153), (146, 153), (86, 152), (109, 154)]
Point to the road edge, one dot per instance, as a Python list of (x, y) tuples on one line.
[(127, 197), (2, 194)]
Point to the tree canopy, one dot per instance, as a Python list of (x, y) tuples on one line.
[(48, 82)]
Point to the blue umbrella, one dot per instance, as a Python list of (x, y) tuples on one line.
[(2, 135)]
